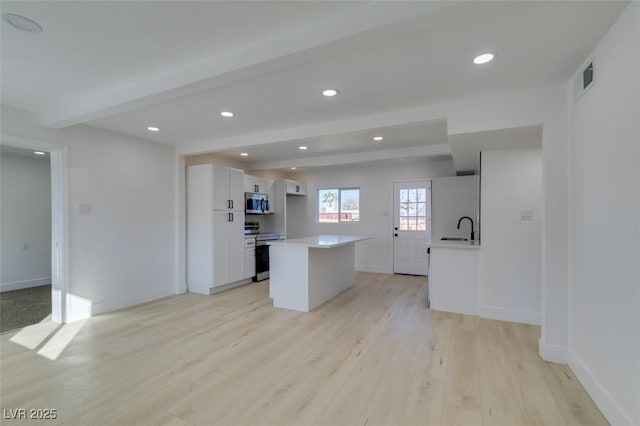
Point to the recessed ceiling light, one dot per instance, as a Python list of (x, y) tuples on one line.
[(227, 114), (483, 59), (293, 168), (153, 129), (377, 138), (39, 153), (330, 92), (302, 148), (244, 154), (22, 23)]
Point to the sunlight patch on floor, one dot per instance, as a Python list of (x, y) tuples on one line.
[(51, 337), (54, 347), (32, 336)]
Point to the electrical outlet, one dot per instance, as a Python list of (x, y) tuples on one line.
[(526, 214)]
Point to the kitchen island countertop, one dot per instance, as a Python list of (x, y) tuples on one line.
[(319, 241)]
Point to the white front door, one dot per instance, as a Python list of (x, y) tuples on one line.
[(412, 226)]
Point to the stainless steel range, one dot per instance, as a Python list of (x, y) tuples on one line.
[(262, 253)]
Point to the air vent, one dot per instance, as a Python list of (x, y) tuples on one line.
[(584, 80)]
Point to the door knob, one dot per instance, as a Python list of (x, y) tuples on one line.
[(396, 228), (395, 235)]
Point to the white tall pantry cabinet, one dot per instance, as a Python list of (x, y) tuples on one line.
[(215, 228)]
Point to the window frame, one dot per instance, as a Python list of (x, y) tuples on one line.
[(339, 201)]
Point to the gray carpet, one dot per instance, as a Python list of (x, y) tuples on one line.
[(19, 308)]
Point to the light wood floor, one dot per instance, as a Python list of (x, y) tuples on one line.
[(372, 356)]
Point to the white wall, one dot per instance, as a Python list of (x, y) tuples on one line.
[(25, 188), (123, 252), (452, 198), (605, 226), (511, 251), (376, 198)]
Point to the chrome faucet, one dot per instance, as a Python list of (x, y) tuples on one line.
[(473, 234)]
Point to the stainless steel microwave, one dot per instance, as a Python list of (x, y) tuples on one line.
[(256, 203)]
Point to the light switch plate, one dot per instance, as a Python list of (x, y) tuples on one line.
[(526, 214), (84, 208)]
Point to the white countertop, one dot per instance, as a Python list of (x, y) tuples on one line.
[(319, 241), (455, 244)]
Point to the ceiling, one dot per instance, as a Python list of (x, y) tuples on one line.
[(123, 66)]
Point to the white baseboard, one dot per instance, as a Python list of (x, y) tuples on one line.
[(611, 410), (511, 315), (378, 269), (226, 287), (19, 285), (86, 309), (553, 353), (181, 288)]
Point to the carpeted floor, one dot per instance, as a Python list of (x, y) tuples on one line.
[(19, 308)]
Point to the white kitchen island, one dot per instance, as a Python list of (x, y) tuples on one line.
[(306, 272)]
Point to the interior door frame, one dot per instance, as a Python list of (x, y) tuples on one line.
[(392, 214), (59, 157)]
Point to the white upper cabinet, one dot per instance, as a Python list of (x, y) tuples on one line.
[(257, 184), (227, 188), (261, 186), (253, 184), (295, 188)]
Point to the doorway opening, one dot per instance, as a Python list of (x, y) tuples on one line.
[(58, 252), (25, 277)]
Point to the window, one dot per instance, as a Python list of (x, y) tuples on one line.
[(338, 205), (413, 209)]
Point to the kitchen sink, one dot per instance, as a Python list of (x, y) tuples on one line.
[(453, 239)]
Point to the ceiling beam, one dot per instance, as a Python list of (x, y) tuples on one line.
[(355, 158), (355, 27)]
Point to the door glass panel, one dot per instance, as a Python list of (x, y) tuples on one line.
[(413, 209)]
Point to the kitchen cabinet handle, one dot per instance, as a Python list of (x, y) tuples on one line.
[(228, 204), (396, 228), (231, 214), (231, 203)]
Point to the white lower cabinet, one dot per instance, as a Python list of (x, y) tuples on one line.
[(228, 247), (220, 252), (249, 257), (454, 279), (249, 262)]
